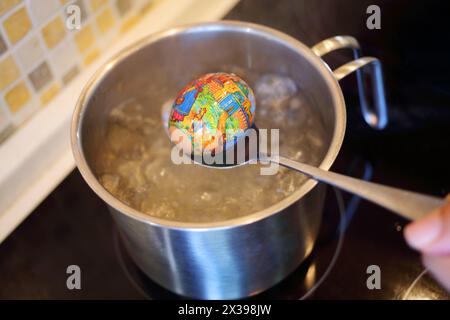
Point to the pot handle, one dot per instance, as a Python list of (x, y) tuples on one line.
[(376, 116)]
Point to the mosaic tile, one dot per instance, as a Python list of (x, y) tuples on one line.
[(123, 6), (105, 20), (5, 123), (91, 56), (3, 116), (63, 57), (42, 10), (9, 71), (3, 46), (17, 25), (83, 12), (148, 6), (96, 4), (129, 23), (84, 39), (49, 94), (6, 5), (30, 53), (70, 75), (40, 76), (53, 32), (17, 97)]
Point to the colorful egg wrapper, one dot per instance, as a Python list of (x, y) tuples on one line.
[(212, 113)]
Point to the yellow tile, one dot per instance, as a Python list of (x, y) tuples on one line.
[(50, 93), (17, 97), (84, 39), (8, 71), (53, 32), (149, 6), (105, 20), (129, 23), (91, 56), (95, 4), (5, 5), (17, 25)]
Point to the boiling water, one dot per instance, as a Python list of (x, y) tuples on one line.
[(135, 164)]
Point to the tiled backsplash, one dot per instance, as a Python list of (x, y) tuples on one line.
[(39, 55)]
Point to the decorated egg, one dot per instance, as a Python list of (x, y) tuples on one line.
[(211, 113)]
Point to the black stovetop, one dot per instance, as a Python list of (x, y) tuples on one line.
[(73, 227)]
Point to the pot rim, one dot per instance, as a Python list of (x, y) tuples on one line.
[(277, 36)]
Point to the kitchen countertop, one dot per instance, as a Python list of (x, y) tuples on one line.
[(73, 226)]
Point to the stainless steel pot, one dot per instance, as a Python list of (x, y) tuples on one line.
[(243, 256)]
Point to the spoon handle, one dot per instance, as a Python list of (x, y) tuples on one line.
[(410, 205)]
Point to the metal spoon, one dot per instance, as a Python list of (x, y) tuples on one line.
[(408, 204)]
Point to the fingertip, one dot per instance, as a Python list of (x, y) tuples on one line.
[(421, 233)]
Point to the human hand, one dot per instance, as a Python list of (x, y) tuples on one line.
[(431, 236)]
